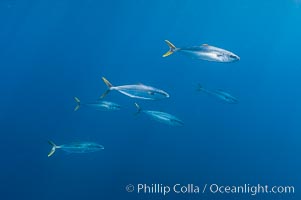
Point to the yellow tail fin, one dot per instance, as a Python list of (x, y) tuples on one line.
[(172, 48), (107, 82), (109, 85)]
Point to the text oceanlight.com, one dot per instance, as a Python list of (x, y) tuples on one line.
[(162, 189)]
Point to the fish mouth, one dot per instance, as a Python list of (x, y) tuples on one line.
[(235, 57)]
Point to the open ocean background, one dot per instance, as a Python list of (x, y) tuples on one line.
[(51, 51)]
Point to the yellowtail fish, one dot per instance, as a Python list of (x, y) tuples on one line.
[(161, 117), (76, 147), (138, 91), (225, 96), (98, 105), (203, 52)]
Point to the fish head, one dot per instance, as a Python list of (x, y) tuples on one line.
[(95, 146), (116, 107), (226, 96), (231, 57), (157, 94), (227, 56), (234, 57), (99, 147)]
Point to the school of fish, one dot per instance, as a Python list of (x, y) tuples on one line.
[(146, 92)]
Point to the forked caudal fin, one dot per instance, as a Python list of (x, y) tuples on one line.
[(172, 49), (109, 85), (78, 103), (138, 108), (52, 149)]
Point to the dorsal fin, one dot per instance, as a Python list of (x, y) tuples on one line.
[(205, 44)]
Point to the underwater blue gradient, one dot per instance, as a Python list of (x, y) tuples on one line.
[(51, 51)]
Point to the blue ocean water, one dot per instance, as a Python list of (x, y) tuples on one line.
[(51, 51)]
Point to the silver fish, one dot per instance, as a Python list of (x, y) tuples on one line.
[(76, 147), (203, 52), (99, 105), (225, 96), (138, 91), (162, 117)]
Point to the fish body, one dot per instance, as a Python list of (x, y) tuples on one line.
[(138, 91), (204, 52), (225, 96), (76, 147), (99, 105), (161, 117)]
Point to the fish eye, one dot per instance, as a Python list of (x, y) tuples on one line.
[(232, 56)]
